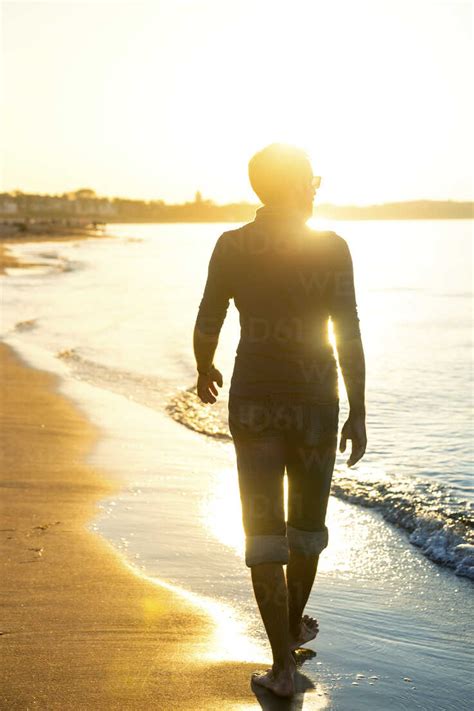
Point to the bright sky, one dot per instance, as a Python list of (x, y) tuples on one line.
[(158, 99)]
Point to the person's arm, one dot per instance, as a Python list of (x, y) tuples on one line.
[(345, 319), (352, 362), (211, 314)]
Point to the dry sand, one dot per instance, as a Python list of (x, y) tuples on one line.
[(78, 630)]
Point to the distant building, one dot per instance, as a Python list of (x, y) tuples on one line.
[(8, 205)]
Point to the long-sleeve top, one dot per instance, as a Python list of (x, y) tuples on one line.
[(286, 280)]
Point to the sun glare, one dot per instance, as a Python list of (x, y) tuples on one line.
[(221, 516), (156, 110)]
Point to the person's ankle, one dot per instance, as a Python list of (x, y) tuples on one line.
[(284, 665), (295, 628)]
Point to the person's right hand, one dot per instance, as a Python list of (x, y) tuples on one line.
[(354, 429), (206, 389)]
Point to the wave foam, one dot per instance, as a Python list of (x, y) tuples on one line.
[(438, 523)]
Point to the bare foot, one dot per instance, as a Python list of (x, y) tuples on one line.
[(308, 630), (282, 682)]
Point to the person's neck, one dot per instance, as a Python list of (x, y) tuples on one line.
[(282, 212)]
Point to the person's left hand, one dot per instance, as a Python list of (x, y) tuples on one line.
[(206, 389), (354, 429)]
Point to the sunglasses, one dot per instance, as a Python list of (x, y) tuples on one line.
[(315, 181)]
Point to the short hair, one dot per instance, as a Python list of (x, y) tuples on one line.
[(276, 167)]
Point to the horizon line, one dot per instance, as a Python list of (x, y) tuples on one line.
[(203, 200)]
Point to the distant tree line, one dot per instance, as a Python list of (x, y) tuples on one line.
[(84, 203)]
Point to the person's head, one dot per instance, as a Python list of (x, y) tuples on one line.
[(281, 175)]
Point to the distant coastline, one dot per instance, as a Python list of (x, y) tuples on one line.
[(85, 207), (414, 210)]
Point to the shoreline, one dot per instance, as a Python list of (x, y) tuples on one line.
[(9, 261), (89, 626)]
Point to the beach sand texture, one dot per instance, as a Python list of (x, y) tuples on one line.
[(78, 630)]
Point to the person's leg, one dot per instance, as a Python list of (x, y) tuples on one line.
[(270, 590), (261, 456), (310, 465), (300, 575)]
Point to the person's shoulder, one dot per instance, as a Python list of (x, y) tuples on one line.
[(339, 242), (319, 234), (331, 246), (228, 241), (235, 238), (325, 235), (327, 238), (240, 231)]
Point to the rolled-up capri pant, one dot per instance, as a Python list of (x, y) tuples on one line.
[(272, 436)]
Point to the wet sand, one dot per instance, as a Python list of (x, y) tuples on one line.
[(78, 629), (8, 260)]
